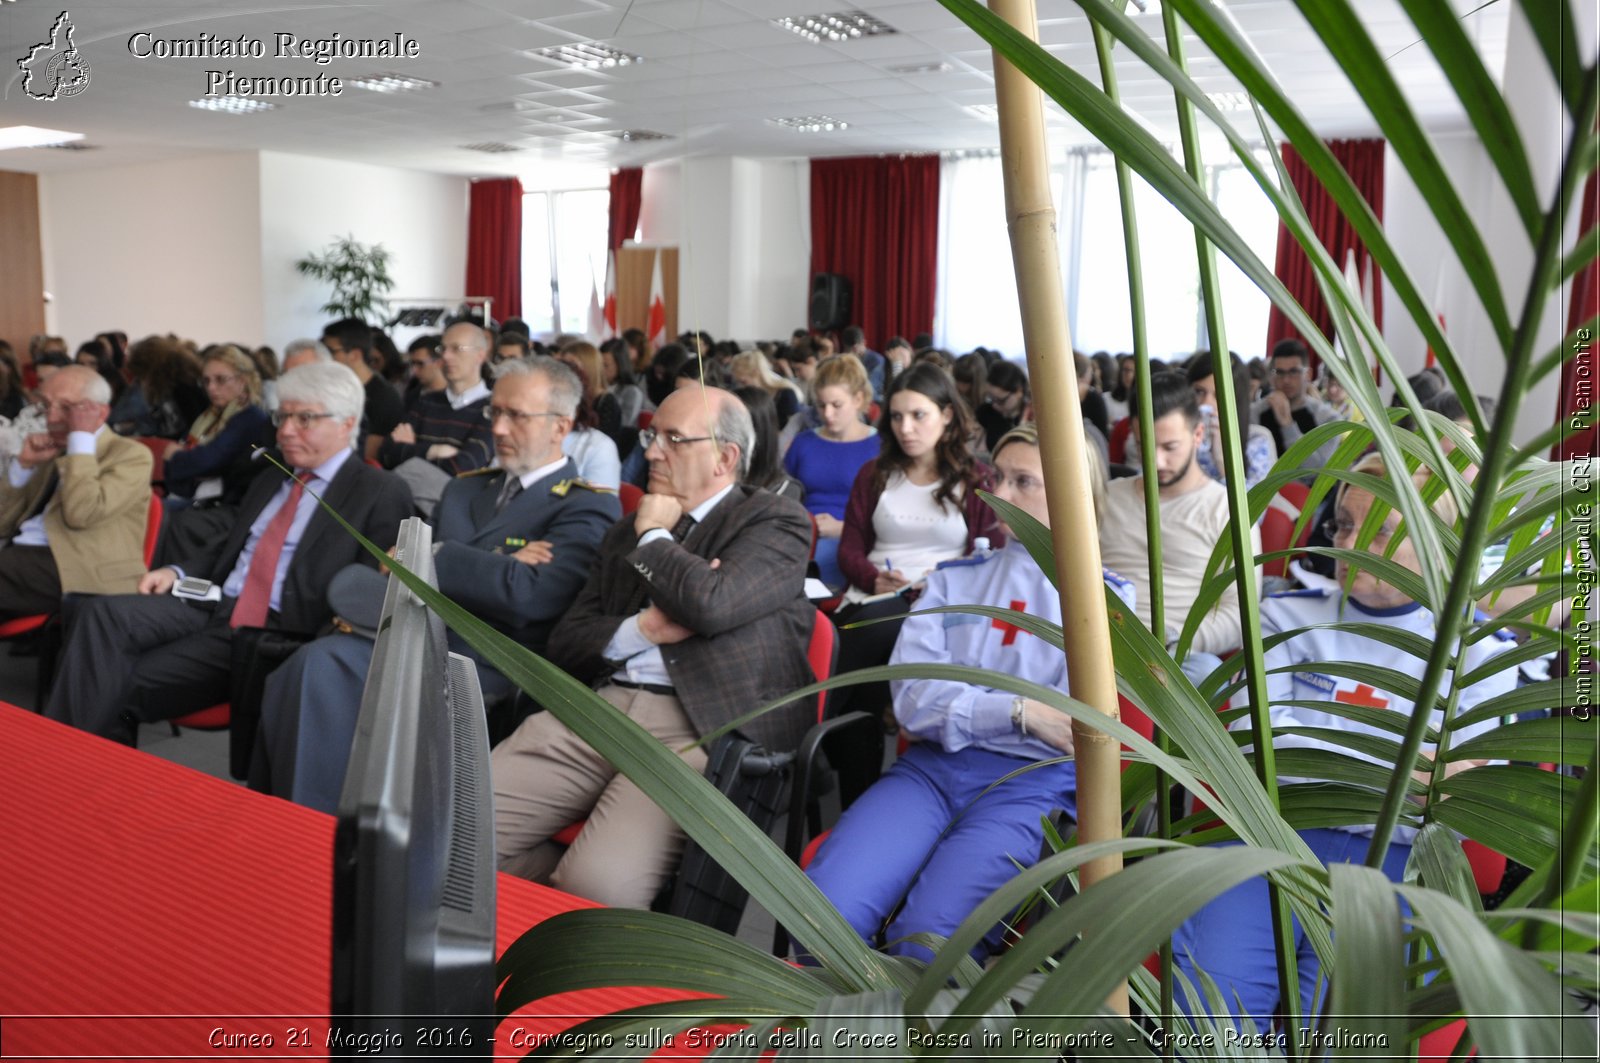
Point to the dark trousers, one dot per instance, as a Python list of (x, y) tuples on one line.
[(156, 656), (856, 753), (29, 582)]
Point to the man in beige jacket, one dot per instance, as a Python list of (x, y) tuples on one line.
[(74, 503)]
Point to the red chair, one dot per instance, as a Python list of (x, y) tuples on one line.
[(1277, 526), (158, 451), (645, 417), (629, 496)]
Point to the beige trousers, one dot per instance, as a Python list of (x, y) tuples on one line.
[(547, 778)]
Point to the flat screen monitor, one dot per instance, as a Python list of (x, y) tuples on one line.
[(414, 865)]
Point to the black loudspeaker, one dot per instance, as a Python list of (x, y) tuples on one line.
[(830, 302)]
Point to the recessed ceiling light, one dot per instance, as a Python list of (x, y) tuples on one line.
[(588, 56), (631, 135), (811, 123), (72, 145), (921, 68), (840, 26), (492, 148), (393, 83), (1229, 101), (987, 111), (233, 105), (29, 136)]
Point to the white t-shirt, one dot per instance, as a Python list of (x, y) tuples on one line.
[(914, 531)]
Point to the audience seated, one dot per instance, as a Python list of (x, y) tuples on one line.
[(1259, 450), (1194, 518), (350, 342), (826, 459), (914, 505), (163, 396), (304, 352), (750, 369), (616, 369), (96, 355), (766, 471), (896, 358), (722, 568), (590, 449), (509, 346), (1231, 938), (854, 341), (585, 358), (515, 543), (1290, 410), (1005, 401), (12, 396), (73, 504), (155, 656), (426, 370), (446, 433), (945, 827)]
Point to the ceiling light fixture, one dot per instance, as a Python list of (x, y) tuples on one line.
[(29, 136), (588, 56), (393, 83), (492, 147), (840, 26), (632, 135), (921, 68), (233, 105), (812, 123), (1229, 101)]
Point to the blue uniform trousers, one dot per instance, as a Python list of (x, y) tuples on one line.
[(875, 854), (1231, 938)]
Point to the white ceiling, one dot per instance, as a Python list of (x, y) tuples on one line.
[(714, 72)]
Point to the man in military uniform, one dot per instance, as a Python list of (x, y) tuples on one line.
[(514, 545)]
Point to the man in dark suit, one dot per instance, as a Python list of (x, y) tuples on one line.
[(153, 656), (515, 544), (694, 615)]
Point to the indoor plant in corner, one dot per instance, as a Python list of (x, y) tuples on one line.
[(358, 272), (1392, 979)]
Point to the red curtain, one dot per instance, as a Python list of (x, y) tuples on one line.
[(494, 245), (875, 221), (627, 198), (1576, 400), (1363, 161)]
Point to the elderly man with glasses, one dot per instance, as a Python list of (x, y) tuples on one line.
[(514, 545), (694, 615), (157, 655), (73, 502)]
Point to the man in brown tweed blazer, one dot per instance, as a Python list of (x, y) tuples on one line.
[(693, 615)]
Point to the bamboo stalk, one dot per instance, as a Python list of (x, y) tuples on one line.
[(1032, 221)]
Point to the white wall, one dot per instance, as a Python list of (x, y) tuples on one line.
[(743, 230), (307, 202), (159, 247)]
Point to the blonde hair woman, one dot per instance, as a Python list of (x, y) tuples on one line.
[(827, 458), (212, 461), (752, 370)]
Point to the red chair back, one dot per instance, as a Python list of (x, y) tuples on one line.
[(629, 496), (823, 653), (152, 528), (645, 417), (158, 450), (1277, 533)]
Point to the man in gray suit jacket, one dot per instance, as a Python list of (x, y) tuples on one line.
[(694, 615), (514, 546)]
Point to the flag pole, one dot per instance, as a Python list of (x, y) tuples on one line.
[(1031, 218)]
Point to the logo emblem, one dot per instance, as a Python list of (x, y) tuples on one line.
[(55, 69)]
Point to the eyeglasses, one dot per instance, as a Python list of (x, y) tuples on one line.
[(461, 348), (207, 381), (46, 407), (648, 437), (303, 419), (1334, 529), (1288, 370), (516, 417)]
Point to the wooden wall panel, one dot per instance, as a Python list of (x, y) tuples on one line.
[(634, 268), (22, 261)]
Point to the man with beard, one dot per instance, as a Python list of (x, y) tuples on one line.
[(1194, 518)]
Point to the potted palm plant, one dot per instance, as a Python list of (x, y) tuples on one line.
[(358, 272), (1396, 972)]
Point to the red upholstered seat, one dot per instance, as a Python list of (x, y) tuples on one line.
[(21, 625), (216, 718), (629, 496)]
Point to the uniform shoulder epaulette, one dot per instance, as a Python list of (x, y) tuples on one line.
[(963, 562), (1309, 592), (561, 487), (487, 470)]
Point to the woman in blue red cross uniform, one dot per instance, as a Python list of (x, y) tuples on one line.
[(927, 831), (1231, 938)]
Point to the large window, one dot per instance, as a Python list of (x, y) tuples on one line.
[(563, 257)]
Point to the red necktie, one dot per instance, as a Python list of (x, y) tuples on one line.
[(251, 608)]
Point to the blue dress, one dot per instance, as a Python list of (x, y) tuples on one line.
[(828, 469)]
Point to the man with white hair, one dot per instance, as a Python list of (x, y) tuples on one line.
[(694, 614), (304, 352), (153, 655), (73, 504), (514, 545)]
